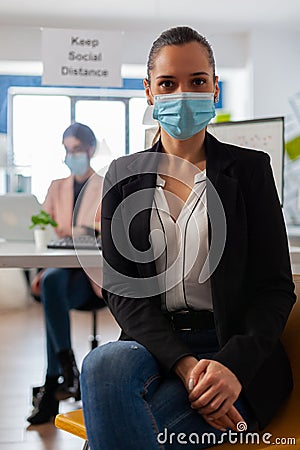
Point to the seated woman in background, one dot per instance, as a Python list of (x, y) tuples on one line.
[(196, 271), (74, 203)]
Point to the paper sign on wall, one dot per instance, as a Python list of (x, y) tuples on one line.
[(81, 57)]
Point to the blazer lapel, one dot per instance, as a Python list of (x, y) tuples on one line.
[(138, 195), (90, 204), (228, 228), (222, 187), (66, 195)]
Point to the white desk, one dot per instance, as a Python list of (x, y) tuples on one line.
[(25, 255)]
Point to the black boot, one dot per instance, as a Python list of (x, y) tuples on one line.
[(35, 395), (45, 403), (70, 386)]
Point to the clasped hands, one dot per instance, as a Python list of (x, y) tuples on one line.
[(213, 389)]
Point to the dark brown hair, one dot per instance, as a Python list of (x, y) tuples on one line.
[(81, 132), (178, 36)]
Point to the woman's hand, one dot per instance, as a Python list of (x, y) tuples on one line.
[(228, 420), (36, 284), (215, 389), (62, 232), (69, 231)]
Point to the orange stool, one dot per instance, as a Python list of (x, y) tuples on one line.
[(73, 422)]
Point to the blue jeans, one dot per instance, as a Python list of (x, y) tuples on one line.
[(130, 404), (62, 290)]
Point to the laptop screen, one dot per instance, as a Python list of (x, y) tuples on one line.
[(15, 216)]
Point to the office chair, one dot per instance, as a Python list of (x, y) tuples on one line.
[(93, 305)]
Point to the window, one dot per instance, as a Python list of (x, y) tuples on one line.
[(38, 154), (107, 119), (137, 108), (38, 117)]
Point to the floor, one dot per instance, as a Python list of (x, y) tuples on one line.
[(22, 364)]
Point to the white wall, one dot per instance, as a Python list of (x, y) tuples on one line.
[(24, 44), (276, 71), (20, 44)]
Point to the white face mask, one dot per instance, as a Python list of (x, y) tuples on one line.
[(184, 114), (78, 163)]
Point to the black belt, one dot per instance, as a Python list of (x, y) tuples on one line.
[(191, 320)]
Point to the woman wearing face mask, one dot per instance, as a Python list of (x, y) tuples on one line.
[(74, 203), (196, 272)]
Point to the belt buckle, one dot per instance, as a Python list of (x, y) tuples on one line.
[(180, 314), (185, 314)]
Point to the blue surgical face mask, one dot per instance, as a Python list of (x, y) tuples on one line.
[(78, 163), (184, 114)]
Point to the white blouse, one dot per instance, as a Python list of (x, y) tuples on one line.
[(181, 248)]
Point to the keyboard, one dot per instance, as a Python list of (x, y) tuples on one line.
[(79, 243)]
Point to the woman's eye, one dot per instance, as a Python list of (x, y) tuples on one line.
[(167, 84), (198, 82)]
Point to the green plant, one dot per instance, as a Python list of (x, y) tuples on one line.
[(42, 219)]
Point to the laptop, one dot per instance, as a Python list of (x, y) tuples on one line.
[(15, 216)]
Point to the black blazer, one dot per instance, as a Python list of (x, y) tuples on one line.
[(252, 287)]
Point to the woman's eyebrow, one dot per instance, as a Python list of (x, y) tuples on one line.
[(191, 75), (199, 73), (164, 76)]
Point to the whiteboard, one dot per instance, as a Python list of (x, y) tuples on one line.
[(258, 134)]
